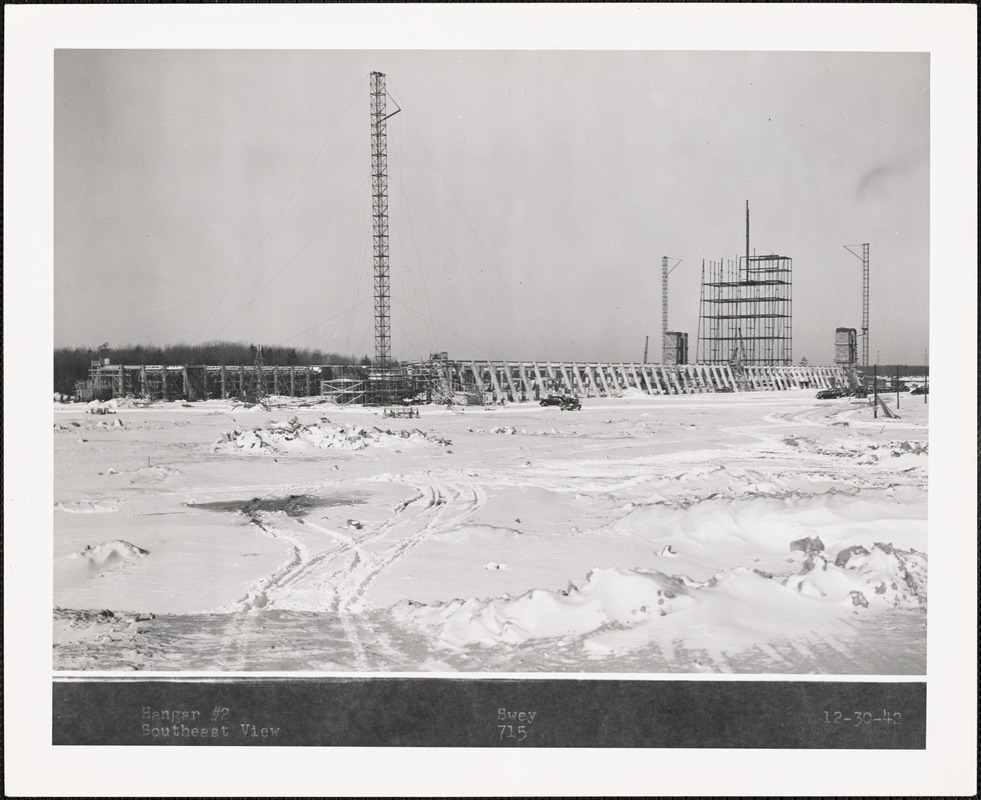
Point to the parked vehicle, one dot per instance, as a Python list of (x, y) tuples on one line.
[(920, 390), (571, 404), (552, 400), (833, 393)]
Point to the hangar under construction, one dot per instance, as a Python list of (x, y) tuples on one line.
[(440, 380)]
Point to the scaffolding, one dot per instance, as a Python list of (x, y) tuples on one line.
[(745, 314)]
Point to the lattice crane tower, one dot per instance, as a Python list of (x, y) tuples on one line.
[(379, 210), (667, 346), (865, 304)]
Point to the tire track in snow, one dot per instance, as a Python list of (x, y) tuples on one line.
[(448, 504), (349, 567), (236, 635)]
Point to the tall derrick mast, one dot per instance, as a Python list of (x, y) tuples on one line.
[(865, 306), (670, 340), (379, 210)]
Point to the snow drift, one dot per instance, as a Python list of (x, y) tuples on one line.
[(292, 436), (617, 600)]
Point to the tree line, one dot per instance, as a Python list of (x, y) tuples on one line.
[(72, 364)]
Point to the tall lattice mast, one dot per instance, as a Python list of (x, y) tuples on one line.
[(669, 342), (865, 305), (664, 308), (379, 209)]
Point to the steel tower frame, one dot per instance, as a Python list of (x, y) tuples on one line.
[(865, 305), (667, 346), (379, 213), (664, 307), (746, 310)]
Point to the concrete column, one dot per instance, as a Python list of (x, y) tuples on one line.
[(498, 394), (726, 371), (526, 390), (646, 379), (657, 373), (602, 377), (623, 375), (673, 373), (678, 372), (565, 378), (539, 380), (507, 376), (633, 372)]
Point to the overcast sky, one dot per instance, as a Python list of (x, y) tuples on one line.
[(226, 194)]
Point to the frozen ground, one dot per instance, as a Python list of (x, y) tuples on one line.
[(757, 532)]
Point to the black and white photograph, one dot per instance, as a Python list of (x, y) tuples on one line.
[(383, 369), (399, 360)]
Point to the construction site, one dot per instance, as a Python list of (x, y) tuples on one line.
[(724, 507), (744, 342)]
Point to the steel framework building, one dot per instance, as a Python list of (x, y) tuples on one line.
[(745, 314)]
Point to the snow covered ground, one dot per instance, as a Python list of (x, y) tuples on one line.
[(765, 532)]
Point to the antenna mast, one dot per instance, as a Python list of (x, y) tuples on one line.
[(379, 210), (865, 306), (668, 344), (664, 307)]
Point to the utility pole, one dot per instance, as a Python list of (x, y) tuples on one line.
[(865, 305), (647, 340), (379, 212), (875, 394)]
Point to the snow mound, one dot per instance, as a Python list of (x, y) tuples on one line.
[(686, 486), (883, 576), (609, 597), (68, 427), (866, 451), (292, 436), (735, 609), (507, 430), (105, 506), (110, 553), (154, 474)]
